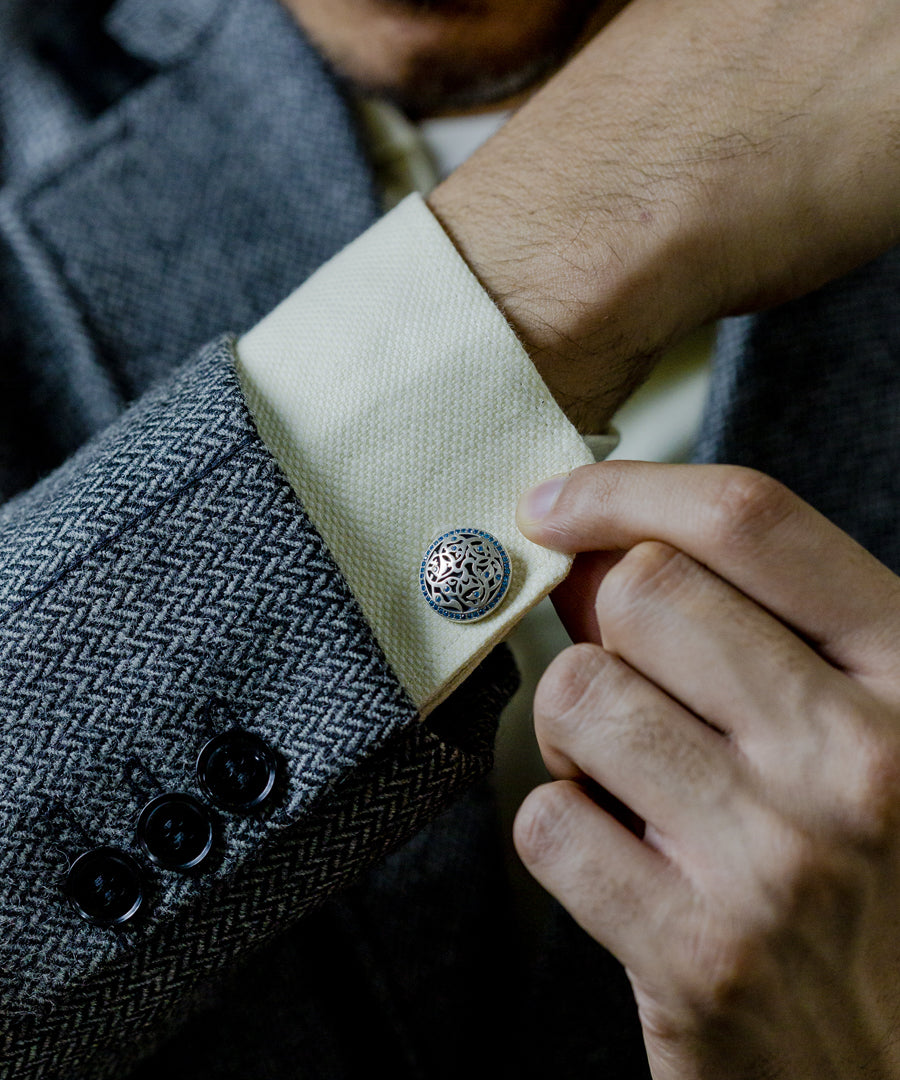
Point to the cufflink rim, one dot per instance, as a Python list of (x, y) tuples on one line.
[(476, 614)]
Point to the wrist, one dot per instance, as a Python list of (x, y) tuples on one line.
[(593, 303), (596, 269)]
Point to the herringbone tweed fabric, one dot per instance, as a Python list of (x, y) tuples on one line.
[(109, 694)]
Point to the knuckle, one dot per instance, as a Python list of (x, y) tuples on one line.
[(735, 941), (807, 879), (718, 963), (565, 685), (792, 865), (803, 887), (871, 792), (644, 733), (735, 966), (820, 885), (648, 567), (665, 1021), (539, 828), (749, 505)]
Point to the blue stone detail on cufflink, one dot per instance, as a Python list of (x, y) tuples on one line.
[(465, 574)]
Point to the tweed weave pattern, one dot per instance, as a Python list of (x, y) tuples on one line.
[(164, 584), (181, 500)]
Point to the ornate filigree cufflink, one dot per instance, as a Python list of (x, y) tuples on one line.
[(465, 574)]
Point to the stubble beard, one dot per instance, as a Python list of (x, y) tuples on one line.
[(446, 81)]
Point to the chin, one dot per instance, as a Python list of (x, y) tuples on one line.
[(438, 56)]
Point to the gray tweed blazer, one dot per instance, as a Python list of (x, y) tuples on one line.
[(169, 170)]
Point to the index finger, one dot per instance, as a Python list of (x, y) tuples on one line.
[(747, 528)]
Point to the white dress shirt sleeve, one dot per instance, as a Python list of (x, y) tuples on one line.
[(400, 404)]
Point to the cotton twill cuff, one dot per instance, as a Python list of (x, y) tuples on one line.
[(400, 404)]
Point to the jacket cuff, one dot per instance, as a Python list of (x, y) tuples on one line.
[(162, 589)]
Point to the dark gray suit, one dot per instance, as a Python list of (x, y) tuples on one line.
[(171, 169)]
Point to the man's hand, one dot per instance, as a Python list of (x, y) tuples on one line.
[(697, 158), (738, 689)]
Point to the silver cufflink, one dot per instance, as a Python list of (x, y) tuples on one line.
[(465, 574)]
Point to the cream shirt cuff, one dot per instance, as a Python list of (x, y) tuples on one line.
[(400, 404)]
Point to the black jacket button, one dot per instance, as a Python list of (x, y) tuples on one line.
[(105, 886), (237, 770), (175, 831)]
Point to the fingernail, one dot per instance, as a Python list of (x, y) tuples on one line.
[(537, 503)]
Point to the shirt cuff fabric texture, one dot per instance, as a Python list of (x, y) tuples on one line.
[(400, 405)]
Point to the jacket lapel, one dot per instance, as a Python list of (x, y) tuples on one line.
[(193, 205)]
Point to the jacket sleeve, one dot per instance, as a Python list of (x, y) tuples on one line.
[(160, 591)]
